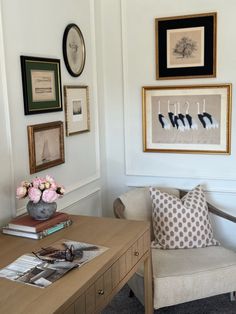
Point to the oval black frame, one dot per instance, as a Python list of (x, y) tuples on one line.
[(65, 35)]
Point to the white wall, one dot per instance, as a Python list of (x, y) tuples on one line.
[(120, 39), (35, 28), (126, 35)]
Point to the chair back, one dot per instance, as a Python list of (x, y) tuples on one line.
[(138, 204)]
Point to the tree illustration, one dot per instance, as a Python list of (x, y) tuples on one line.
[(185, 47)]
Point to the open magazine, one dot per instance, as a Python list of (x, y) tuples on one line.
[(43, 267)]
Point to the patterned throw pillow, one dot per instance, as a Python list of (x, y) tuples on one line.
[(181, 223)]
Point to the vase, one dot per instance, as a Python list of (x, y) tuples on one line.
[(41, 210)]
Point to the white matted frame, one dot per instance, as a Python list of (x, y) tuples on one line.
[(76, 109), (187, 119)]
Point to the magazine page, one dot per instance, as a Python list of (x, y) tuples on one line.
[(43, 267)]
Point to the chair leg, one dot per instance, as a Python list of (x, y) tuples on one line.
[(233, 296), (131, 293)]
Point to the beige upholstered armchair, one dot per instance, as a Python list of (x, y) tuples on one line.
[(179, 275)]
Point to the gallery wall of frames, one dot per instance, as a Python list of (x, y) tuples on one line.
[(187, 118), (50, 117), (42, 91)]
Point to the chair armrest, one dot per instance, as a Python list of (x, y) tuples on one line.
[(118, 208), (214, 210)]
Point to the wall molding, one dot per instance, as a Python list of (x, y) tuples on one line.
[(95, 85), (126, 99), (218, 190), (201, 177), (82, 197), (4, 89), (124, 52), (78, 185), (22, 210)]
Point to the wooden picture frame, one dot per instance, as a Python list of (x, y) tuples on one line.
[(76, 99), (187, 119), (41, 81), (186, 46), (46, 145), (74, 51)]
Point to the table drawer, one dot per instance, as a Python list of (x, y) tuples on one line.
[(80, 304), (97, 295), (140, 247)]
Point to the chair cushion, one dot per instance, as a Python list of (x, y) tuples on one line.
[(184, 275), (181, 223)]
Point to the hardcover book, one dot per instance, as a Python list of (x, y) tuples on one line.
[(26, 223), (37, 235)]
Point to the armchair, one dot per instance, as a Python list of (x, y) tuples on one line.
[(179, 275)]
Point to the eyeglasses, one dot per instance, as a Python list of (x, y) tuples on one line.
[(51, 255)]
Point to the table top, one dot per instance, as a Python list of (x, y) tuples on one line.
[(116, 234)]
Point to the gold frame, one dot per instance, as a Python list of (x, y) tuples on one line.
[(227, 131), (169, 77), (80, 125), (32, 129)]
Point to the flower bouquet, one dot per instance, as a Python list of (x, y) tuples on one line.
[(42, 194)]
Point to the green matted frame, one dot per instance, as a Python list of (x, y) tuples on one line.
[(41, 80)]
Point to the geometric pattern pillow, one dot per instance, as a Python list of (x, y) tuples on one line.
[(181, 223)]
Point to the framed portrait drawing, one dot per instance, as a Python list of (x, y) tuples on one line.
[(76, 99), (41, 80), (186, 46), (187, 119), (74, 52), (46, 145)]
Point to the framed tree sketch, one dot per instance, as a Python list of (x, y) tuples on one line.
[(46, 145), (76, 99), (187, 119), (74, 52), (186, 46), (41, 80)]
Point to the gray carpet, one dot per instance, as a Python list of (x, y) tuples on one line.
[(220, 304)]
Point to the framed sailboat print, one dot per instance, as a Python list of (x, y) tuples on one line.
[(46, 145), (187, 119)]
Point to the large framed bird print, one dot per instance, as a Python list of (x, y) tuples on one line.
[(187, 119)]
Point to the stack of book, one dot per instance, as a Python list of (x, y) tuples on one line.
[(25, 226)]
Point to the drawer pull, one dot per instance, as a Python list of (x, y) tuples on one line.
[(136, 253), (101, 292)]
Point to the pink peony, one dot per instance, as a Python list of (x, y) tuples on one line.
[(36, 182), (49, 196), (50, 179), (25, 184), (53, 186), (21, 192), (41, 186), (34, 194)]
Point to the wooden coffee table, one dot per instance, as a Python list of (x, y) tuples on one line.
[(87, 289)]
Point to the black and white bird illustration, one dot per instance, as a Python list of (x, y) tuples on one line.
[(163, 121), (214, 122), (192, 123), (171, 115), (207, 120), (203, 119), (178, 122), (183, 118)]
